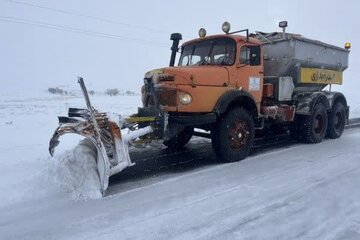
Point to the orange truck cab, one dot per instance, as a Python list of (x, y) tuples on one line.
[(219, 86), (208, 68)]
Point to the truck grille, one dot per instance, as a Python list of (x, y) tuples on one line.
[(167, 97)]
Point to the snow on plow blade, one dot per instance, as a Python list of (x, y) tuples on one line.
[(104, 131)]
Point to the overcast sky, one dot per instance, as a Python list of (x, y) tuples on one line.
[(113, 43)]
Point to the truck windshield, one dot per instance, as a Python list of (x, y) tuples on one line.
[(220, 51)]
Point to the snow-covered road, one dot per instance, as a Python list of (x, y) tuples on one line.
[(298, 192), (291, 192)]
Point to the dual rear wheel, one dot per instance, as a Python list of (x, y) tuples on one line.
[(337, 119), (320, 124)]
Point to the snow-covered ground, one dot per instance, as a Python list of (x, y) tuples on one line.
[(26, 125), (298, 192)]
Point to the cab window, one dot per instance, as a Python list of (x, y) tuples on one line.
[(217, 51), (250, 55)]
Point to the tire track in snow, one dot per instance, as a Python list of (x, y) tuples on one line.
[(278, 205), (251, 216)]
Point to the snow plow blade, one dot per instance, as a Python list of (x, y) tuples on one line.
[(104, 131)]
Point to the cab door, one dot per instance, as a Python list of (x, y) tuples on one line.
[(250, 71)]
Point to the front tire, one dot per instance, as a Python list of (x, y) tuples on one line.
[(337, 118), (181, 139), (233, 136)]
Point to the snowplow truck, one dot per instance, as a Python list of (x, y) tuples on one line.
[(233, 87)]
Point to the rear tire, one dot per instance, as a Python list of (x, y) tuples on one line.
[(233, 136), (337, 118), (314, 126), (181, 139)]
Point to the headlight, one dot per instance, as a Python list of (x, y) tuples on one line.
[(283, 24), (202, 32), (185, 98), (226, 27)]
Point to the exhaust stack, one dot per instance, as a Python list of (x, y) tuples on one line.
[(175, 37)]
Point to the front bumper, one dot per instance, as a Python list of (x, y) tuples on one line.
[(169, 124), (193, 119)]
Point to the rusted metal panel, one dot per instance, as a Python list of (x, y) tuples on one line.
[(268, 90), (282, 112), (167, 97)]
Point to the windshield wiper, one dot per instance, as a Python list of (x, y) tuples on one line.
[(204, 62), (223, 62), (207, 62)]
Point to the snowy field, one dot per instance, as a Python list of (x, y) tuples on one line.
[(27, 125), (297, 192)]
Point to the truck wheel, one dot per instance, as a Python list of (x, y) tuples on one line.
[(314, 126), (233, 137), (181, 139), (336, 123)]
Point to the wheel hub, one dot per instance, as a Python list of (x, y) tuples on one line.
[(238, 135), (318, 123)]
